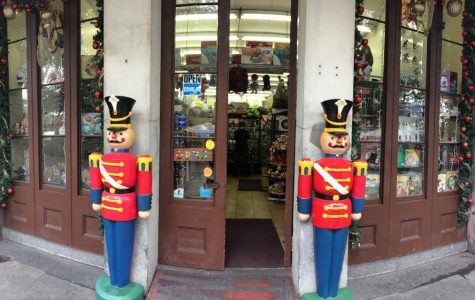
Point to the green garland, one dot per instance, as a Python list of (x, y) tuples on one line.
[(465, 110), (355, 232), (5, 143)]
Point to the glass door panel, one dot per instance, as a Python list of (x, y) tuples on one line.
[(411, 149), (195, 102), (450, 92), (196, 38), (18, 95), (91, 117), (50, 57), (370, 87)]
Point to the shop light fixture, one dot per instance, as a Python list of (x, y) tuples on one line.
[(363, 28), (183, 38), (266, 38), (266, 17), (202, 17)]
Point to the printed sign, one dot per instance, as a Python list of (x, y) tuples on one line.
[(192, 84)]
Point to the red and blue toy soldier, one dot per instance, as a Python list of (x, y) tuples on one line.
[(121, 189), (332, 191)]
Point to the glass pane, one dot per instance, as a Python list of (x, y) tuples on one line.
[(19, 112), (91, 114), (88, 9), (88, 145), (20, 159), (370, 114), (194, 136), (372, 59), (375, 9), (52, 108), (50, 54), (16, 27), (53, 163), (413, 59), (451, 76), (181, 2), (17, 67), (195, 37), (88, 66), (411, 138), (452, 29)]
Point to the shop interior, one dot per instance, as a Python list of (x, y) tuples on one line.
[(257, 122)]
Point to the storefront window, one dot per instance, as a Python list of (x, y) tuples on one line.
[(17, 65), (412, 102), (370, 87), (450, 91), (195, 98), (91, 113), (50, 58)]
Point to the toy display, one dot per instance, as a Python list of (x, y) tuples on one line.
[(114, 177), (332, 191)]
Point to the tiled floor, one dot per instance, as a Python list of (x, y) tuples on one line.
[(254, 205)]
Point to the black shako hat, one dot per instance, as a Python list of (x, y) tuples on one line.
[(336, 114), (120, 110)]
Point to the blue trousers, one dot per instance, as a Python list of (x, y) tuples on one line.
[(329, 250), (120, 244)]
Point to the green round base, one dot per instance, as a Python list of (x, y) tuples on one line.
[(343, 294), (106, 291)]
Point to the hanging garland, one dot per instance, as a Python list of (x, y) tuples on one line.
[(8, 10), (465, 110), (6, 186), (355, 232), (98, 45)]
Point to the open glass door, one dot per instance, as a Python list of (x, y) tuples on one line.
[(193, 133)]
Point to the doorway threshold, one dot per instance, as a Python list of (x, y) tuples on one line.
[(172, 282)]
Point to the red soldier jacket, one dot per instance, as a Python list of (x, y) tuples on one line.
[(114, 177), (330, 208)]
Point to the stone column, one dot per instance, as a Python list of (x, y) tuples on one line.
[(325, 71), (132, 35)]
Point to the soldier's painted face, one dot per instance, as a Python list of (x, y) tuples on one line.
[(122, 139), (334, 143)]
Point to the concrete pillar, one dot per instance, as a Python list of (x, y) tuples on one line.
[(132, 68), (325, 71)]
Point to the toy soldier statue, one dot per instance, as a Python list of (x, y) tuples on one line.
[(113, 179), (337, 187)]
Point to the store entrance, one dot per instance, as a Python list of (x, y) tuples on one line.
[(257, 135)]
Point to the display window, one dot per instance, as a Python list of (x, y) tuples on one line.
[(406, 119), (56, 119)]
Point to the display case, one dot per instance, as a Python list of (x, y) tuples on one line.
[(370, 115), (277, 168)]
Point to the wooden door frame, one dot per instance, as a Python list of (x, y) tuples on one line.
[(166, 84), (292, 127), (166, 138)]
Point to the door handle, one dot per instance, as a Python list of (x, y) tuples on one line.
[(211, 185)]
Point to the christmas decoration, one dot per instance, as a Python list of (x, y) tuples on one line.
[(331, 191), (465, 110), (354, 231), (5, 130), (114, 177)]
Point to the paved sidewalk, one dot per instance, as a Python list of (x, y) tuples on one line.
[(452, 277), (29, 273)]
